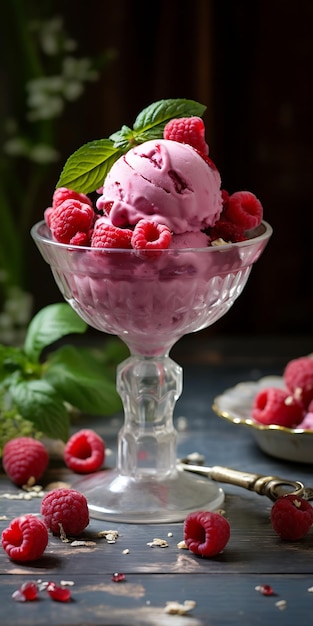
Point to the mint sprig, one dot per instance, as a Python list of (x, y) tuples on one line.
[(86, 169), (40, 383)]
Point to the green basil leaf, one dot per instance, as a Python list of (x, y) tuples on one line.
[(40, 404), (123, 138), (86, 169), (50, 324), (78, 379), (159, 113)]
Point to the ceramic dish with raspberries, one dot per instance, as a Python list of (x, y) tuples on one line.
[(278, 410)]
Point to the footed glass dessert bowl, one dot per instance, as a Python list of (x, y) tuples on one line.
[(149, 299)]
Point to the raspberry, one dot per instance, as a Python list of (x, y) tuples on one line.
[(206, 533), (84, 452), (69, 218), (81, 239), (60, 594), (151, 236), (47, 215), (107, 236), (291, 517), (62, 193), (65, 509), (225, 196), (24, 460), (227, 231), (276, 406), (27, 592), (243, 209), (118, 577), (25, 539), (298, 377), (307, 422), (265, 590), (189, 130)]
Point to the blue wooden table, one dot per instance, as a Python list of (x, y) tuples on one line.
[(223, 588)]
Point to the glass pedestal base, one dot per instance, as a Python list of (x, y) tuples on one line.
[(114, 497)]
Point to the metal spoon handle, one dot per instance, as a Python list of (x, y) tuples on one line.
[(271, 486)]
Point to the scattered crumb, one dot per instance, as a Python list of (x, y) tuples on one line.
[(310, 589), (82, 542), (23, 495), (30, 483), (219, 242), (160, 543), (182, 545), (67, 583), (175, 608), (281, 604), (109, 535), (42, 584), (170, 534), (195, 458), (63, 536), (126, 551), (181, 424), (3, 517), (57, 484)]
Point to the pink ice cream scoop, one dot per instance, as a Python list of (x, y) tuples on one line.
[(165, 181)]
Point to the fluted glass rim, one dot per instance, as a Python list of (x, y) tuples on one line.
[(264, 226)]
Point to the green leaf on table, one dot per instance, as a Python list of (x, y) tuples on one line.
[(50, 324), (86, 169), (38, 402), (77, 377)]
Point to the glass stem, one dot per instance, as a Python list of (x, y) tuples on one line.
[(149, 388)]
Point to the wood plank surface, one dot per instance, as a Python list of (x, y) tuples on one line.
[(223, 587)]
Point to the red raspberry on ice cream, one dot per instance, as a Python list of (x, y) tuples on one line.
[(106, 235), (70, 218), (25, 539), (65, 509), (298, 377), (243, 209), (84, 452), (24, 459), (189, 130), (151, 236), (62, 193), (228, 231)]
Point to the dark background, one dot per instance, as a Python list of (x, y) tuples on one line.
[(250, 62)]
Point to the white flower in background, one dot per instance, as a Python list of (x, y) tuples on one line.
[(51, 36), (15, 315), (43, 153), (17, 146), (51, 77)]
